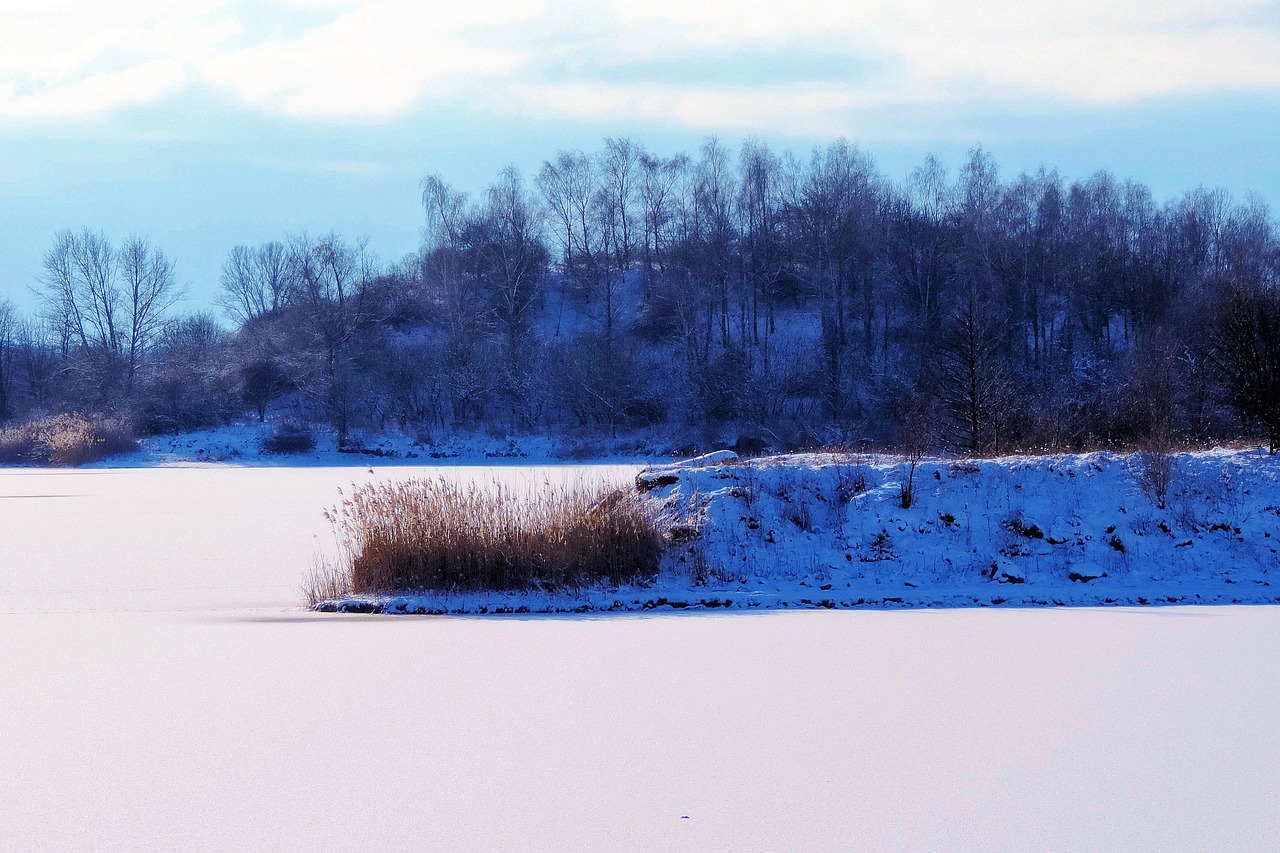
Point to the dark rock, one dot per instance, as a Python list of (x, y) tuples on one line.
[(683, 532), (649, 480), (359, 607)]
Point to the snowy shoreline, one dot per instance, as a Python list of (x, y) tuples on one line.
[(828, 531), (625, 603), (241, 445)]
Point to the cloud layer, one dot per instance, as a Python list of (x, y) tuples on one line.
[(690, 63)]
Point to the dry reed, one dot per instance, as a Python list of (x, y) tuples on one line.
[(438, 535), (66, 439)]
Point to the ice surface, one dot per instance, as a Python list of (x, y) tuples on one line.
[(161, 688)]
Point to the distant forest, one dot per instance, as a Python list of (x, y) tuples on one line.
[(755, 297)]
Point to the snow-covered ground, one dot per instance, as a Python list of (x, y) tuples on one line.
[(829, 530), (1078, 529), (162, 688)]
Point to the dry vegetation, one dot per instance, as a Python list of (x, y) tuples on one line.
[(66, 439), (432, 534)]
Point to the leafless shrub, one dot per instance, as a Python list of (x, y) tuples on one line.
[(919, 433), (907, 491), (1155, 473), (434, 534), (749, 485), (851, 481), (288, 438), (801, 515)]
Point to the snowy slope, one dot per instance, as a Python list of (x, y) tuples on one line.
[(1026, 530), (829, 531)]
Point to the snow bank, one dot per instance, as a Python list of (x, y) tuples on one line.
[(829, 531)]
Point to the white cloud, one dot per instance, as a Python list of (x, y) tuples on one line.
[(372, 59), (96, 93), (376, 60)]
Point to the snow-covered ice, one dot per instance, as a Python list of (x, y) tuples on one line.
[(162, 688)]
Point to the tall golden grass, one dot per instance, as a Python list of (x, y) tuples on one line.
[(64, 440), (438, 535)]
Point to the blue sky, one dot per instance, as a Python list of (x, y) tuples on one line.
[(210, 123)]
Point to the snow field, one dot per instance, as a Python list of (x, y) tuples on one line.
[(161, 688)]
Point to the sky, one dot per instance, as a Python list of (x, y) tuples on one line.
[(203, 124)]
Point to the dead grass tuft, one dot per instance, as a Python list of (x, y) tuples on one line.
[(327, 581), (433, 534)]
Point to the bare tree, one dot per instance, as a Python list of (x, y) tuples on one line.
[(8, 328), (96, 290), (917, 436), (256, 281), (451, 269), (659, 197), (1245, 334), (507, 234), (571, 187), (148, 290), (616, 211), (971, 383), (79, 292), (340, 293), (107, 303)]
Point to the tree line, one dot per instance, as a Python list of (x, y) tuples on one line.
[(754, 295)]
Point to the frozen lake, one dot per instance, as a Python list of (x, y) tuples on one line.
[(161, 688)]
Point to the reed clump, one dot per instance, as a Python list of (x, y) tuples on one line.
[(65, 440), (439, 535)]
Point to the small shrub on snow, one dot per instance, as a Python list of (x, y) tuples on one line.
[(288, 438), (748, 486), (851, 481), (801, 516), (880, 548), (1155, 473)]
